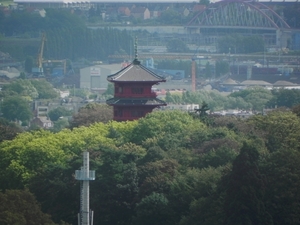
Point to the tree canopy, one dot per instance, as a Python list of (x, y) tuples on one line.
[(16, 108), (21, 207), (163, 168)]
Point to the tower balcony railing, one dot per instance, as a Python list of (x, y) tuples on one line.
[(81, 175)]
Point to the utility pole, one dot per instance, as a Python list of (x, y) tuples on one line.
[(85, 216)]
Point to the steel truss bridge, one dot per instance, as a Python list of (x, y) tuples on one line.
[(238, 14), (239, 17)]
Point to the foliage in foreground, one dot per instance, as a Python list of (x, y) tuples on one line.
[(164, 169)]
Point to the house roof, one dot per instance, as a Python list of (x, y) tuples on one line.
[(135, 101), (123, 10), (284, 83), (229, 81), (256, 82), (135, 72)]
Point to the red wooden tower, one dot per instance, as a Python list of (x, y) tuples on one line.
[(133, 95)]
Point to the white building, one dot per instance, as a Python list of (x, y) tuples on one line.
[(94, 77)]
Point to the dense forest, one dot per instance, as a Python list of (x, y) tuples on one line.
[(170, 167), (66, 33)]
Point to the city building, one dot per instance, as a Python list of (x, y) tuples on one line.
[(94, 77)]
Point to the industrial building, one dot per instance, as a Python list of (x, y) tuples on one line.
[(93, 78)]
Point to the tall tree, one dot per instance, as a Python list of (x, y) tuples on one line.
[(16, 108), (21, 207), (8, 130), (245, 189), (282, 171), (92, 113), (154, 209), (55, 114)]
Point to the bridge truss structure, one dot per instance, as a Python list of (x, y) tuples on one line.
[(237, 16)]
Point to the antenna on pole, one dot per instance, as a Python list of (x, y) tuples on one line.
[(85, 216)]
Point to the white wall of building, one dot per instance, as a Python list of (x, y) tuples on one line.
[(95, 77)]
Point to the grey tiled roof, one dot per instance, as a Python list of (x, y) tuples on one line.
[(135, 101), (135, 72)]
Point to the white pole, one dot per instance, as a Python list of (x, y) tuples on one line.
[(86, 190)]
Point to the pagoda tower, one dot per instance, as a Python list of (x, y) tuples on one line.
[(133, 95)]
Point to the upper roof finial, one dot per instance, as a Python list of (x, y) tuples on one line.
[(135, 48), (135, 61)]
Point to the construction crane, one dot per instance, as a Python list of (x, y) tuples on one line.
[(38, 71)]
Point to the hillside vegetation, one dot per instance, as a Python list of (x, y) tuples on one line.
[(166, 168)]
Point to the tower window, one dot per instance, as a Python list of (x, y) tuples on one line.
[(137, 90), (137, 113), (118, 113)]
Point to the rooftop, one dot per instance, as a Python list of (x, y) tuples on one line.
[(135, 72)]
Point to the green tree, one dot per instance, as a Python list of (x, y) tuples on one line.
[(217, 152), (166, 129), (28, 153), (154, 209), (57, 191), (58, 112), (8, 130), (285, 98), (45, 89), (296, 110), (21, 207), (22, 75), (157, 176), (197, 191), (60, 124), (16, 108), (280, 129), (282, 171), (92, 113), (29, 62), (258, 97), (117, 184), (21, 87), (245, 190)]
